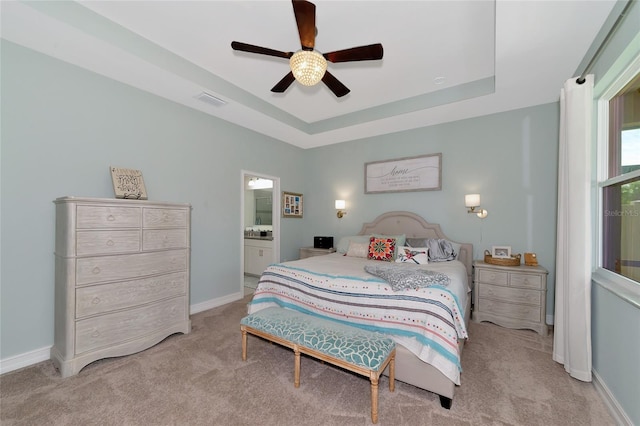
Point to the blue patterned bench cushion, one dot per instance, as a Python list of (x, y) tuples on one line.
[(356, 346)]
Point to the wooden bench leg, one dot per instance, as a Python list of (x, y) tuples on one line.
[(392, 372), (374, 398), (244, 344), (296, 369)]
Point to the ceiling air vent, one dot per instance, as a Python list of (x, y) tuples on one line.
[(210, 99)]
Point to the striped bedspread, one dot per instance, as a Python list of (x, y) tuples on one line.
[(427, 321)]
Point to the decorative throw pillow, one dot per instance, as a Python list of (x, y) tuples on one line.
[(400, 238), (357, 249), (382, 249), (419, 255)]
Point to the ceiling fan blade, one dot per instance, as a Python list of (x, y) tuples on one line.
[(244, 47), (334, 85), (284, 83), (306, 19), (371, 52)]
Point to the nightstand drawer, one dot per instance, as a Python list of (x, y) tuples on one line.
[(526, 280), (510, 310), (506, 294), (493, 277), (311, 252)]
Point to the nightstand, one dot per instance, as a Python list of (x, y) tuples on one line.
[(310, 252), (511, 296)]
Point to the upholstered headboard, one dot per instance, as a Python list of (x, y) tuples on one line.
[(414, 226)]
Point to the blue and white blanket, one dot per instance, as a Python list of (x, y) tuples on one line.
[(428, 320)]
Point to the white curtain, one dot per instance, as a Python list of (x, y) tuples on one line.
[(572, 319)]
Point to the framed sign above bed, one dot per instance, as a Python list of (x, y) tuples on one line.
[(422, 173)]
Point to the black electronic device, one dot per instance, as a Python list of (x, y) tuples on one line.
[(323, 242)]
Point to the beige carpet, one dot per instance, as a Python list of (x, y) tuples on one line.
[(200, 379)]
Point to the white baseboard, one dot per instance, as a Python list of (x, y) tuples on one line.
[(214, 303), (24, 360), (43, 354), (610, 401)]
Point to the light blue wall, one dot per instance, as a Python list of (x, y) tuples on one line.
[(510, 159), (615, 322), (616, 348), (61, 129)]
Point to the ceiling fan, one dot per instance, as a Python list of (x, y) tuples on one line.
[(309, 66)]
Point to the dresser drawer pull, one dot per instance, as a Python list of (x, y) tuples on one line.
[(96, 270), (110, 243), (95, 333), (96, 300), (111, 218)]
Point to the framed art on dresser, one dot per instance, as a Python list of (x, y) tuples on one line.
[(128, 183)]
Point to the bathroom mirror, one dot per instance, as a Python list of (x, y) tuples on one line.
[(258, 202), (264, 206)]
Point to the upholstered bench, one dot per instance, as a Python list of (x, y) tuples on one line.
[(357, 350)]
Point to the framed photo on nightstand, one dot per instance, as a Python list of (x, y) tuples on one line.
[(501, 252)]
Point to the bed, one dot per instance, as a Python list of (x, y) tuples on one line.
[(428, 322)]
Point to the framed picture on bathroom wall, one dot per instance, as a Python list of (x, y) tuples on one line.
[(291, 204)]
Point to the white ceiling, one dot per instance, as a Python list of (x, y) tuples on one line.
[(443, 60)]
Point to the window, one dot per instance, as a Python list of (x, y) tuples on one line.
[(621, 189)]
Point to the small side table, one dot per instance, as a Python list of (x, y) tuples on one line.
[(511, 296), (311, 251)]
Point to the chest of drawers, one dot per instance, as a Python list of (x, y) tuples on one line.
[(122, 278), (511, 296)]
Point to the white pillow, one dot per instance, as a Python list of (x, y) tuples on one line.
[(343, 243), (419, 255), (357, 249)]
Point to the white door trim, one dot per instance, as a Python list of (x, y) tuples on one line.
[(275, 215)]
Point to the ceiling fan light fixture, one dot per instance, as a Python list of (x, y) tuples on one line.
[(308, 67)]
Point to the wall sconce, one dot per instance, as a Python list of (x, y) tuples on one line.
[(472, 202), (340, 206)]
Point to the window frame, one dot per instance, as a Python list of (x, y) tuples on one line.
[(624, 287)]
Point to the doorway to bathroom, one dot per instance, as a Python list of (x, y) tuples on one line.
[(260, 234)]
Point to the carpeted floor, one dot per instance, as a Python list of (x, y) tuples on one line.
[(509, 378)]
